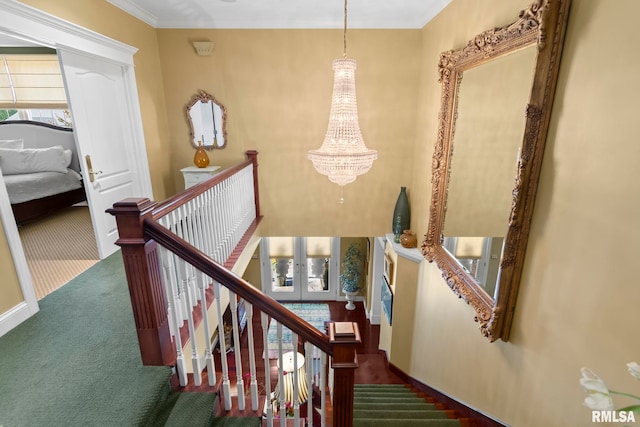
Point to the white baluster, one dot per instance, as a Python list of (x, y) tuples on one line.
[(187, 217), (296, 380), (323, 388), (252, 357), (233, 305), (219, 226), (208, 352), (308, 355), (267, 368), (174, 321), (282, 407), (183, 269), (182, 300), (226, 388)]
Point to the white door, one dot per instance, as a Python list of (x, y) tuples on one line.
[(300, 268), (106, 137)]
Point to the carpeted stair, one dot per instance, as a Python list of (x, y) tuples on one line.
[(392, 405), (191, 409)]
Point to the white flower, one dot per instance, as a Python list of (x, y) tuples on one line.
[(634, 369), (598, 394)]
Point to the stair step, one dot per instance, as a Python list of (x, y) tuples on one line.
[(375, 393), (413, 414), (390, 399), (193, 409), (235, 422), (379, 386), (390, 422), (421, 406)]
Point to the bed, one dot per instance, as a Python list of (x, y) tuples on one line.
[(40, 167)]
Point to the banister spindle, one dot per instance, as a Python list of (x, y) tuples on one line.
[(233, 304), (264, 319), (226, 388), (252, 357)]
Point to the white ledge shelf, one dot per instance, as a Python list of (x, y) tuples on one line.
[(413, 254)]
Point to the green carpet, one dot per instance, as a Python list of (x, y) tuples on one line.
[(395, 406), (77, 362)]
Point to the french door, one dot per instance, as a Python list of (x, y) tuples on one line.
[(300, 268)]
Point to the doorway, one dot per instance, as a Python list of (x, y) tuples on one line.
[(300, 268), (101, 58)]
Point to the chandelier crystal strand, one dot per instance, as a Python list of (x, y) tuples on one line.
[(343, 155)]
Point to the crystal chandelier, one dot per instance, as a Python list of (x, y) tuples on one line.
[(343, 155)]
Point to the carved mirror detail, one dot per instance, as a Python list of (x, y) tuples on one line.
[(497, 117), (207, 120)]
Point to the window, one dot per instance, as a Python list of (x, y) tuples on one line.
[(31, 86)]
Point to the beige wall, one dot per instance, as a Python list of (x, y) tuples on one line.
[(578, 299), (276, 86), (10, 292)]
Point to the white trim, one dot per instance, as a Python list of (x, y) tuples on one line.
[(12, 318), (30, 24), (27, 308), (412, 254), (134, 10), (141, 167)]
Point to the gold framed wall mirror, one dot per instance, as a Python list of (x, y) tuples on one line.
[(207, 119), (497, 94)]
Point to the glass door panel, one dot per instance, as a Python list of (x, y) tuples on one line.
[(317, 283), (300, 268)]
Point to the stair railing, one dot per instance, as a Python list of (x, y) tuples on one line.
[(177, 256)]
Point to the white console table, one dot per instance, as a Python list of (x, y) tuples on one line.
[(194, 175)]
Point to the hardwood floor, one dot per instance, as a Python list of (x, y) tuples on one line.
[(372, 369)]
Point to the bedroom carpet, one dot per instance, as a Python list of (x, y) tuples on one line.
[(58, 248)]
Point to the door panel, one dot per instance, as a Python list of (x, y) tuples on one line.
[(300, 268), (103, 128)]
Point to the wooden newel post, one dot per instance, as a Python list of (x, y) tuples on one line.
[(344, 336), (146, 290), (253, 156)]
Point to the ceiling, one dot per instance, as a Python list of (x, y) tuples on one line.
[(256, 14)]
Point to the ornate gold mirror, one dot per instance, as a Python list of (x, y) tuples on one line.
[(207, 121), (497, 94)]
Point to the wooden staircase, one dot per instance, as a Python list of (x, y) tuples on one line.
[(399, 405)]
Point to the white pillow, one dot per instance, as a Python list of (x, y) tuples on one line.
[(68, 154), (31, 160), (14, 144)]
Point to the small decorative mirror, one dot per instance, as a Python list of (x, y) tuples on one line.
[(497, 118), (207, 121)]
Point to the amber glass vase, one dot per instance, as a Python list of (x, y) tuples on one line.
[(201, 159)]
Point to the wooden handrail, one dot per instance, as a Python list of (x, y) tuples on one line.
[(170, 204), (140, 236), (235, 283)]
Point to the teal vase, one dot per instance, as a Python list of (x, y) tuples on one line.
[(401, 214)]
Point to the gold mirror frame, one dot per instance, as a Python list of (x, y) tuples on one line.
[(204, 98), (542, 24)]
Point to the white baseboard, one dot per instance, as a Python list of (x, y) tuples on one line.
[(13, 317)]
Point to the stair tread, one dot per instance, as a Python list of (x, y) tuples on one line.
[(390, 422), (390, 413), (390, 406), (236, 422), (194, 409), (389, 399)]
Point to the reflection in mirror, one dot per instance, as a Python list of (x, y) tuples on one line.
[(497, 117), (207, 121), (488, 133)]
